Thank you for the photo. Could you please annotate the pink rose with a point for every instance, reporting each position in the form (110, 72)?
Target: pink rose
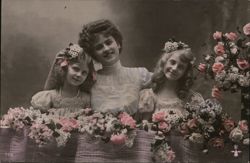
(242, 64)
(127, 120)
(219, 49)
(217, 35)
(118, 139)
(246, 29)
(202, 67)
(158, 116)
(164, 126)
(217, 142)
(68, 124)
(217, 67)
(192, 124)
(170, 155)
(64, 63)
(231, 36)
(228, 125)
(243, 126)
(216, 93)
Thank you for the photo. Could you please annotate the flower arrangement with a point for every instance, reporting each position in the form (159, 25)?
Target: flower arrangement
(206, 124)
(162, 123)
(229, 65)
(47, 127)
(107, 127)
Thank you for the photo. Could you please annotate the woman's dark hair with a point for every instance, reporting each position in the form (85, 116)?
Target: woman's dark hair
(91, 30)
(184, 83)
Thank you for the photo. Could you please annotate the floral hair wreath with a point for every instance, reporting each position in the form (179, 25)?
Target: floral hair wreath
(74, 51)
(173, 45)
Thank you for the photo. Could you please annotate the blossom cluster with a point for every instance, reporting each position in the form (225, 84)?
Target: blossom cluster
(163, 122)
(229, 65)
(47, 127)
(205, 123)
(108, 127)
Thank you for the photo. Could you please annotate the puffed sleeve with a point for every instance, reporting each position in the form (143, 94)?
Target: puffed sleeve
(145, 76)
(42, 100)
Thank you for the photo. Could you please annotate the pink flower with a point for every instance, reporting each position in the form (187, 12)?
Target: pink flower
(170, 155)
(216, 93)
(192, 124)
(217, 35)
(202, 67)
(243, 126)
(118, 139)
(164, 126)
(231, 36)
(228, 125)
(217, 67)
(158, 116)
(127, 120)
(219, 49)
(246, 29)
(68, 124)
(217, 142)
(64, 63)
(243, 64)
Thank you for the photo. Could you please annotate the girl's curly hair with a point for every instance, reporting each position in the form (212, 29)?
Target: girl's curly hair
(184, 83)
(91, 30)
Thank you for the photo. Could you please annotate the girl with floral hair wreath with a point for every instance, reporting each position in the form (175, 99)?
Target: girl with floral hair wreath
(68, 83)
(168, 90)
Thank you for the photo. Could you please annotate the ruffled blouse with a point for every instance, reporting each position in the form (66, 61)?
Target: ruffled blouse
(117, 88)
(45, 100)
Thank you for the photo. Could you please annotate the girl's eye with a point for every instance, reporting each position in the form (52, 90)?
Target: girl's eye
(172, 62)
(108, 42)
(98, 47)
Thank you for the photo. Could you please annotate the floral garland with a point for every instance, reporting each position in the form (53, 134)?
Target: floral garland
(229, 65)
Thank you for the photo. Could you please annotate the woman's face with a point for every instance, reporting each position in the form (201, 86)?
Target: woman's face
(175, 68)
(106, 50)
(76, 74)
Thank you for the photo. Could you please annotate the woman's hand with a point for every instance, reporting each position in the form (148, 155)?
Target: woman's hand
(146, 101)
(216, 93)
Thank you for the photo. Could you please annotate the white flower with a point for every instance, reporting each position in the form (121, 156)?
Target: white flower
(196, 138)
(219, 59)
(246, 141)
(63, 138)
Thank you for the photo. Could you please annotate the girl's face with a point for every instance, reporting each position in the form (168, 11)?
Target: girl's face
(76, 74)
(106, 50)
(175, 68)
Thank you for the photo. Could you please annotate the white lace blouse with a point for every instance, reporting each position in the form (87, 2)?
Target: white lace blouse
(117, 88)
(48, 99)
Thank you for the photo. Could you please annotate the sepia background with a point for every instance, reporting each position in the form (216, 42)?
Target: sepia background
(33, 31)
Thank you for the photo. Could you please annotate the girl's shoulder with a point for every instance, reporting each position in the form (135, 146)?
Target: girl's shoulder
(43, 99)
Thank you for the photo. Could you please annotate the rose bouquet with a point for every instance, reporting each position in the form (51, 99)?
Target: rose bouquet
(119, 129)
(229, 65)
(162, 123)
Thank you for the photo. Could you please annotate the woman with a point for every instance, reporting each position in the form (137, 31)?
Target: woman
(117, 87)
